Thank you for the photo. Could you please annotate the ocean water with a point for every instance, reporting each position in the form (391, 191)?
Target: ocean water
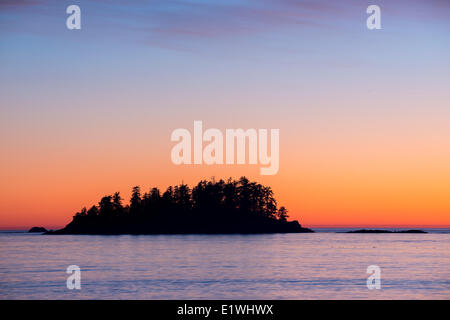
(323, 265)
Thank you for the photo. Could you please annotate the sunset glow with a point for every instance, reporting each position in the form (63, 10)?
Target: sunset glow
(364, 117)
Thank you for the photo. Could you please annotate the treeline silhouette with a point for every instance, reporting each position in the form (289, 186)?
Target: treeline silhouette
(232, 206)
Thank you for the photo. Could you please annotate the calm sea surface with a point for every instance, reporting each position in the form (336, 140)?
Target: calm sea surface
(324, 265)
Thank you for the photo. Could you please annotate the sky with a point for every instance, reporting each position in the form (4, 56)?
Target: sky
(364, 115)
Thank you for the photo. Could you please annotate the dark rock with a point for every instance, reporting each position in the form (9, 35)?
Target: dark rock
(386, 231)
(38, 230)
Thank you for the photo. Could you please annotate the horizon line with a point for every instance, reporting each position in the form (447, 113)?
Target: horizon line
(317, 226)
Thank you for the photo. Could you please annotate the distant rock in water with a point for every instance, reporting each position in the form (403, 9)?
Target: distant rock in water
(386, 231)
(38, 230)
(211, 207)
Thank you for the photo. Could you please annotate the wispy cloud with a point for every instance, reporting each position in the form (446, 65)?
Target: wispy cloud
(18, 3)
(173, 23)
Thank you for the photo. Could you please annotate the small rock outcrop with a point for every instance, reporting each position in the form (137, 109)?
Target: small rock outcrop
(37, 230)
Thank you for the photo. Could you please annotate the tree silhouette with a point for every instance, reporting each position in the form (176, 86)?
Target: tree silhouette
(135, 201)
(282, 214)
(117, 204)
(106, 206)
(93, 211)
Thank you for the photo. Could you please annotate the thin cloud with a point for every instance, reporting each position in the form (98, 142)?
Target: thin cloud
(4, 4)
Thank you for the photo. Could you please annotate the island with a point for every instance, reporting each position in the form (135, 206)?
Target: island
(210, 207)
(37, 230)
(386, 231)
